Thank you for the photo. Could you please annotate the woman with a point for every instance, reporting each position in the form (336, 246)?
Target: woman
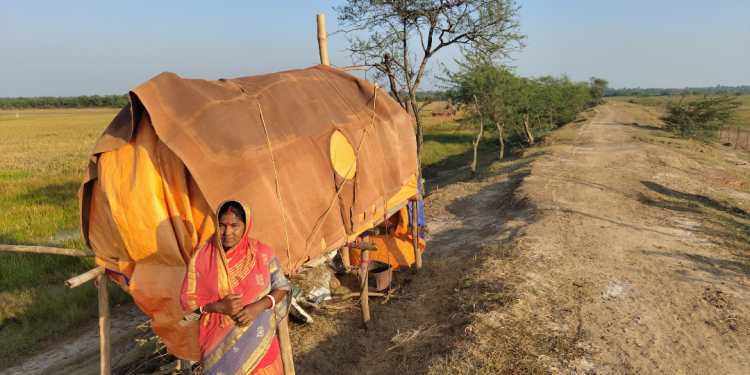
(238, 287)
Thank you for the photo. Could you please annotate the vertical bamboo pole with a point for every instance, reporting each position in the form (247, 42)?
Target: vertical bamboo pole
(344, 251)
(285, 344)
(415, 232)
(364, 299)
(323, 39)
(104, 324)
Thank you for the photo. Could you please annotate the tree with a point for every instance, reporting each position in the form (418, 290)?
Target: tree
(597, 86)
(490, 27)
(490, 87)
(700, 118)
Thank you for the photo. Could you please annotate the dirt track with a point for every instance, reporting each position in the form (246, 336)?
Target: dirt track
(610, 256)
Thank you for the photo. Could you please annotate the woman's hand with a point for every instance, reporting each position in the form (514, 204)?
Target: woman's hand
(247, 315)
(229, 305)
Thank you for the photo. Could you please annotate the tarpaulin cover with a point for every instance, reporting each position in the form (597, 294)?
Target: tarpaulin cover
(318, 142)
(395, 247)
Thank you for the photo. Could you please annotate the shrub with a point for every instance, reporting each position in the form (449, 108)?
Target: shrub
(701, 118)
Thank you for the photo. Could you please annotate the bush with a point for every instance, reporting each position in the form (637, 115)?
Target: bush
(701, 118)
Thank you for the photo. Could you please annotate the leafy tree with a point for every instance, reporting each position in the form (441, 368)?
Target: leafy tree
(489, 87)
(597, 86)
(404, 35)
(700, 118)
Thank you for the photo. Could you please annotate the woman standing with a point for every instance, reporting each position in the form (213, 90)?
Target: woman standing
(238, 287)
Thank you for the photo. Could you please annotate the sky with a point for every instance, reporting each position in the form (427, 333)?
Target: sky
(54, 48)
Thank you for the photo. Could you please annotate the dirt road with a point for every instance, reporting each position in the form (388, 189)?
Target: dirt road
(613, 252)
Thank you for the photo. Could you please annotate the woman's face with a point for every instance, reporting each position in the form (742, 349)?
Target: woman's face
(231, 229)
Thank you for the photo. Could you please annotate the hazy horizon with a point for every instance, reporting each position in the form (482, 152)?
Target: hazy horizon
(93, 48)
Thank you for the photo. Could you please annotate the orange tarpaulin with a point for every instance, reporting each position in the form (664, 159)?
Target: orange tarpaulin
(395, 248)
(317, 154)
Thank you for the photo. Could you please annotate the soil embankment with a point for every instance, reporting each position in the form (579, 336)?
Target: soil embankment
(615, 253)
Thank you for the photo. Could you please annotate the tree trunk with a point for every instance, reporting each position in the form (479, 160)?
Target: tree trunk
(420, 135)
(500, 127)
(527, 130)
(475, 142)
(551, 125)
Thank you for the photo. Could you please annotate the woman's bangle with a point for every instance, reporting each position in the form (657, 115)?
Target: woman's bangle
(273, 300)
(202, 312)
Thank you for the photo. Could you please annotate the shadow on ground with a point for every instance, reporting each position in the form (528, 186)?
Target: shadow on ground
(422, 326)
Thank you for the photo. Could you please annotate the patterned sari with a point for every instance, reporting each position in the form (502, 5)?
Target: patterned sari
(251, 270)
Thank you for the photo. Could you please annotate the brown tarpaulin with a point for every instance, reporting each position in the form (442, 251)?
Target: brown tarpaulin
(183, 146)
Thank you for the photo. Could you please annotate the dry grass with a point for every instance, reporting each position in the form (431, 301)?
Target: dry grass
(41, 166)
(743, 114)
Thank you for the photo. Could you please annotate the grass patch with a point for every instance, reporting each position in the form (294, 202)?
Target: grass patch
(743, 114)
(43, 159)
(448, 150)
(499, 340)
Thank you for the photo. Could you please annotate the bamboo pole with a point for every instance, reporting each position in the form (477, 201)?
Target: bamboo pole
(104, 324)
(720, 132)
(47, 250)
(415, 231)
(344, 251)
(323, 39)
(364, 299)
(285, 344)
(84, 277)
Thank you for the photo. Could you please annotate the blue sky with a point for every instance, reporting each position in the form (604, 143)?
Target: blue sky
(102, 47)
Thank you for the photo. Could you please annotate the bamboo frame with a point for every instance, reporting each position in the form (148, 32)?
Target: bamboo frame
(364, 299)
(79, 280)
(323, 39)
(285, 345)
(105, 351)
(415, 230)
(47, 250)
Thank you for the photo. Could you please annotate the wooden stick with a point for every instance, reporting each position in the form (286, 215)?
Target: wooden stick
(364, 245)
(48, 250)
(747, 141)
(84, 277)
(415, 233)
(323, 39)
(344, 251)
(285, 344)
(353, 68)
(104, 323)
(364, 299)
(720, 132)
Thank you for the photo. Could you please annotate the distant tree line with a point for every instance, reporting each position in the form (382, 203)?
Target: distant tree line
(42, 102)
(717, 90)
(493, 95)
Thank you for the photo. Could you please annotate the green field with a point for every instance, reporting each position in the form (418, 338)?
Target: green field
(44, 153)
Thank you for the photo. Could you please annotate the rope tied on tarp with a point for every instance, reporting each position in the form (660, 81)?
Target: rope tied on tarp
(275, 174)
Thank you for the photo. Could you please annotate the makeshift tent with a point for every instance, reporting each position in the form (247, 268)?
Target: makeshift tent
(317, 154)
